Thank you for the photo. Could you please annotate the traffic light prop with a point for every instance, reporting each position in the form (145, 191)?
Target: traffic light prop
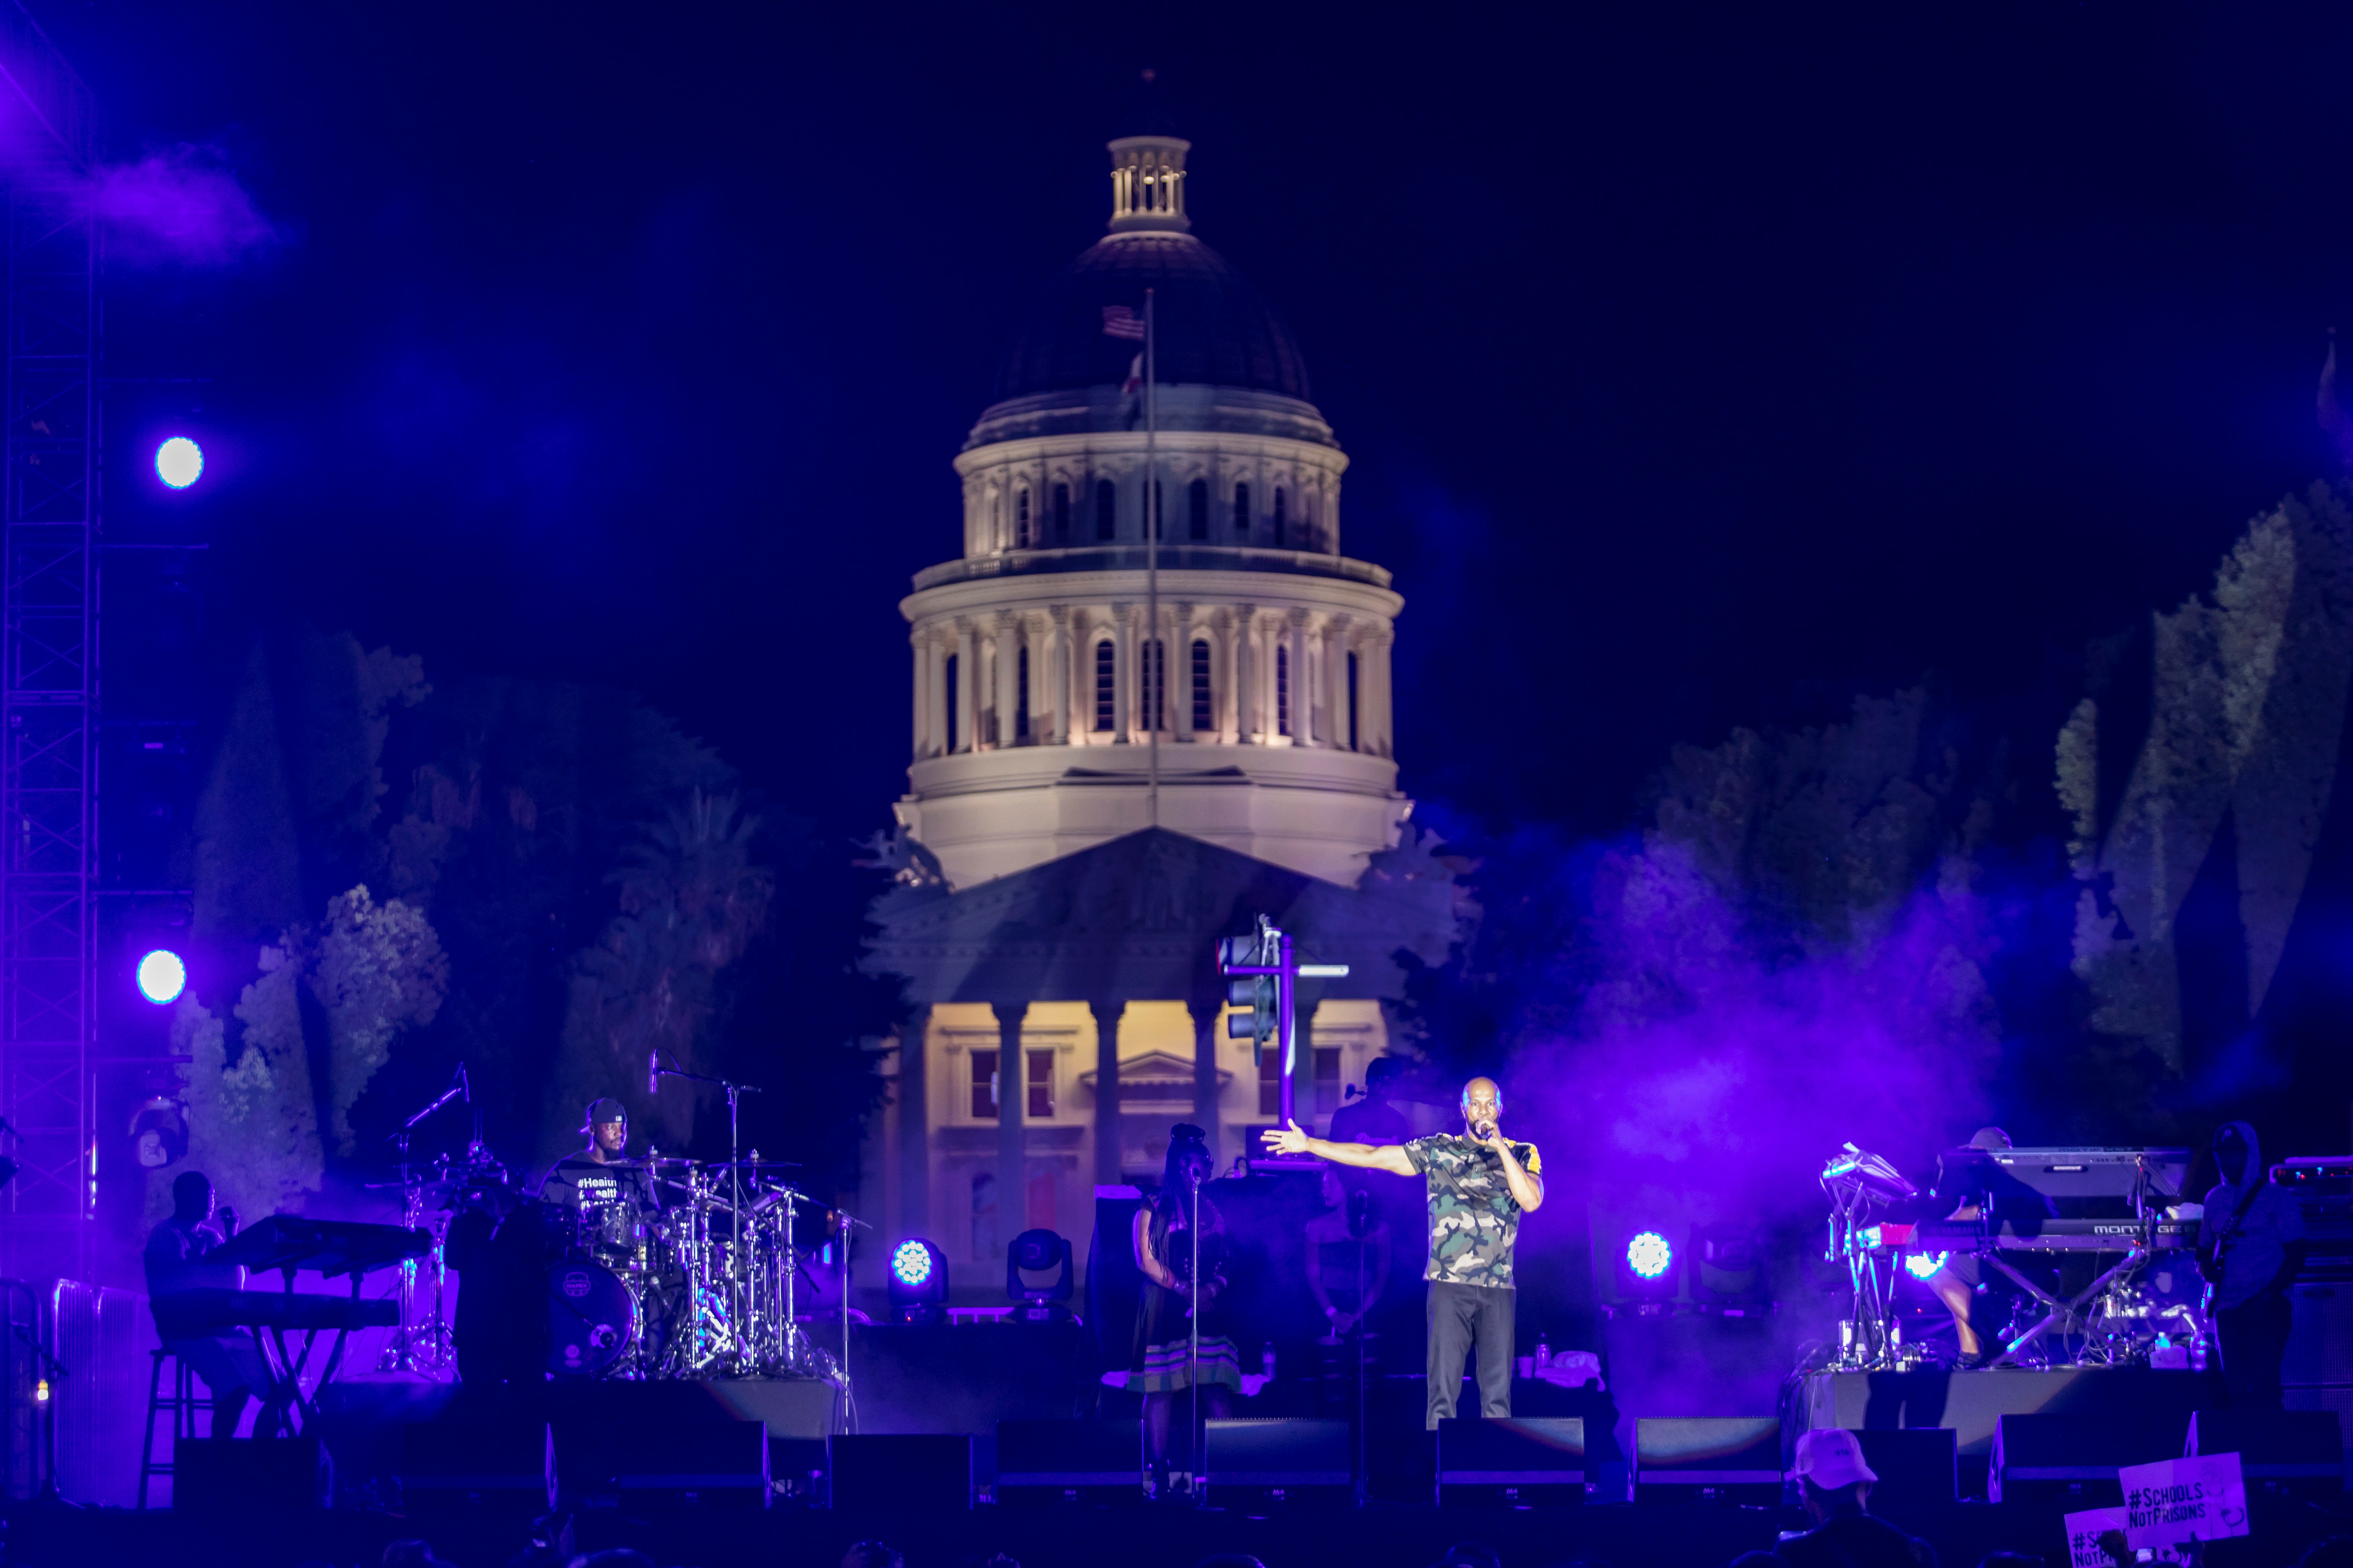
(1262, 974)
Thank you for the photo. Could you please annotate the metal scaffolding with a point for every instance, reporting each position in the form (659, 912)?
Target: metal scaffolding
(49, 655)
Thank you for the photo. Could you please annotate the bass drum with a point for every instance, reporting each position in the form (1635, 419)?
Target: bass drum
(591, 1318)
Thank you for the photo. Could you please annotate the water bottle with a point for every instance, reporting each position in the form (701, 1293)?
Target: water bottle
(1543, 1353)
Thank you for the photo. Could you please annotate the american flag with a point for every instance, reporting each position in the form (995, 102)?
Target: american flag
(1120, 322)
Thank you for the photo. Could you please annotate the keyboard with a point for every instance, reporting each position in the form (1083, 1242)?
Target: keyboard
(201, 1313)
(2045, 1235)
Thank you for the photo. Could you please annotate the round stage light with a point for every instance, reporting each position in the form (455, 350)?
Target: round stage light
(179, 462)
(912, 1264)
(162, 977)
(1922, 1266)
(1649, 1256)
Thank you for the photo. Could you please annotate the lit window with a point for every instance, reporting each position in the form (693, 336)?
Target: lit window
(1021, 518)
(1041, 1085)
(1283, 689)
(1327, 1080)
(984, 1086)
(1107, 685)
(1106, 509)
(1197, 507)
(1241, 509)
(1269, 1081)
(1281, 525)
(1204, 711)
(1061, 514)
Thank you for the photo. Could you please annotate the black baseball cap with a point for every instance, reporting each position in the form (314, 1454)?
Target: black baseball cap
(600, 1111)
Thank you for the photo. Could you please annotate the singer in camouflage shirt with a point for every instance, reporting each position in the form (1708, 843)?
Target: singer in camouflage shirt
(1473, 1218)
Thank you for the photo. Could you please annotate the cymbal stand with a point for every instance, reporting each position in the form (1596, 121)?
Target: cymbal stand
(745, 1366)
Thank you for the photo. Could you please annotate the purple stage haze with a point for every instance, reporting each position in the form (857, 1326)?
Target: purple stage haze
(181, 208)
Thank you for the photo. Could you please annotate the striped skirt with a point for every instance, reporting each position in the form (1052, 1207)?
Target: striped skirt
(1165, 1368)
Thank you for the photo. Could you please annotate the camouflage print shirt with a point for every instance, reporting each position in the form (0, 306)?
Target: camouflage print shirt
(1473, 1218)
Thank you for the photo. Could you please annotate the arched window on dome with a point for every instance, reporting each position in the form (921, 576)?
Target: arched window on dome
(1106, 509)
(1205, 710)
(1061, 514)
(1281, 525)
(951, 715)
(1241, 511)
(1281, 685)
(1197, 507)
(1021, 540)
(1022, 695)
(1106, 686)
(1352, 702)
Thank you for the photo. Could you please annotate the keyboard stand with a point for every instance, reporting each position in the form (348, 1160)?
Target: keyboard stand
(2063, 1316)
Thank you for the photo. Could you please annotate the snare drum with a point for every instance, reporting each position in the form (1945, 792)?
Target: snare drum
(591, 1318)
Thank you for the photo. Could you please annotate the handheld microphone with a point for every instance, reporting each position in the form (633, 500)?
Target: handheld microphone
(653, 1071)
(228, 1217)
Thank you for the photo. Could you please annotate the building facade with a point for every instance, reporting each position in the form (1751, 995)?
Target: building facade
(1127, 744)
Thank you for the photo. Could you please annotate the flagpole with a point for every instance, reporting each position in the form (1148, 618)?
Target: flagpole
(1156, 655)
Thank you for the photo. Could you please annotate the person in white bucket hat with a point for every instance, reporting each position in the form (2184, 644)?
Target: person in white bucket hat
(1834, 1484)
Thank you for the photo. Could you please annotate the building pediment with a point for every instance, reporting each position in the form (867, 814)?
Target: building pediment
(1155, 1077)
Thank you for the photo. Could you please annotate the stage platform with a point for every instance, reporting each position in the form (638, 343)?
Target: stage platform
(1612, 1536)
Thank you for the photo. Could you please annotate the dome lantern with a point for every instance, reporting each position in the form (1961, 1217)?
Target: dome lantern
(1147, 185)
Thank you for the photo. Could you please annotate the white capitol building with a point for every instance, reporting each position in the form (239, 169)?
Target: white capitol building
(1099, 792)
(1034, 663)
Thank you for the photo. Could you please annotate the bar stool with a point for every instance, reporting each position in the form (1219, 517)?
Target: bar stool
(182, 1405)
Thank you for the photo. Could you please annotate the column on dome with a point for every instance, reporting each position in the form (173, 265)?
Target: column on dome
(967, 686)
(1008, 673)
(920, 649)
(1180, 672)
(1335, 681)
(1245, 668)
(1052, 680)
(1382, 720)
(1301, 680)
(1221, 674)
(1122, 674)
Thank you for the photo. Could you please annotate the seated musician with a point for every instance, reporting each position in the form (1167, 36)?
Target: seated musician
(1982, 1190)
(229, 1363)
(582, 1180)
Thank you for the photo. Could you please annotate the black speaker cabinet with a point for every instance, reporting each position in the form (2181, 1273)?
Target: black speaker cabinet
(1708, 1459)
(453, 1466)
(699, 1464)
(2072, 1460)
(2298, 1453)
(248, 1477)
(1278, 1460)
(1061, 1462)
(1511, 1461)
(902, 1474)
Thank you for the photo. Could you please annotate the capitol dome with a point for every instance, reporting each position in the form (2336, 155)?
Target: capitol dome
(1214, 328)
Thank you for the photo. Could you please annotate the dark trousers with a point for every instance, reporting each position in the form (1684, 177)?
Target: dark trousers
(1460, 1318)
(2253, 1341)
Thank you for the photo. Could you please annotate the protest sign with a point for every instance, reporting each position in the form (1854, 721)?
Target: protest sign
(2198, 1499)
(2083, 1532)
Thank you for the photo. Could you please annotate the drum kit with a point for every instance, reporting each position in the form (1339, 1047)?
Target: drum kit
(671, 1268)
(709, 1285)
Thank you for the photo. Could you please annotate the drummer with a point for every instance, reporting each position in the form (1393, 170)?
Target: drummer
(600, 1174)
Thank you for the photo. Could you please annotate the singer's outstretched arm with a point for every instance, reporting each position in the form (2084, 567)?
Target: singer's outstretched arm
(1389, 1157)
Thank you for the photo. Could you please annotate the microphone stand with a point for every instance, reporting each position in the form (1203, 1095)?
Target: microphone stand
(744, 1365)
(400, 1354)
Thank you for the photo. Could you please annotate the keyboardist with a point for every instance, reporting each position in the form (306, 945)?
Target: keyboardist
(1980, 1189)
(229, 1365)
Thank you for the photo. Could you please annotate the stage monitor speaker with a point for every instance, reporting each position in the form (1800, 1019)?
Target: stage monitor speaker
(903, 1474)
(2299, 1453)
(1053, 1462)
(247, 1477)
(447, 1466)
(1918, 1468)
(1708, 1459)
(1278, 1460)
(697, 1463)
(1511, 1461)
(2074, 1459)
(2320, 1336)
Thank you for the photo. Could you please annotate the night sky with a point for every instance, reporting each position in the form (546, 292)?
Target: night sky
(1697, 369)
